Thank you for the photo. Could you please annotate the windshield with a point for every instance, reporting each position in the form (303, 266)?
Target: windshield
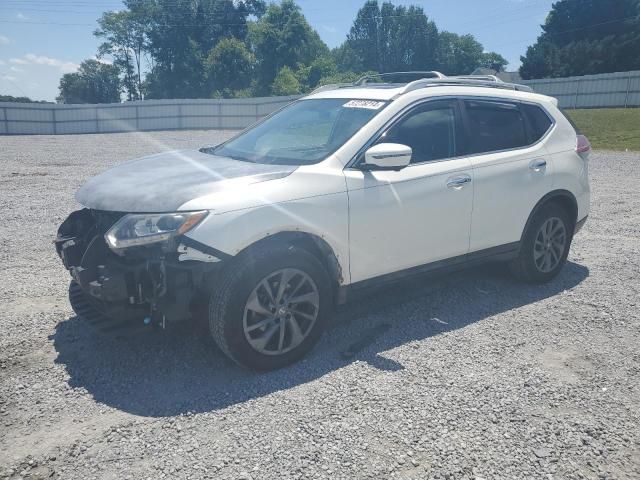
(303, 133)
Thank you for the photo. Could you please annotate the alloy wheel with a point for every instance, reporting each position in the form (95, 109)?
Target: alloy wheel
(549, 246)
(281, 311)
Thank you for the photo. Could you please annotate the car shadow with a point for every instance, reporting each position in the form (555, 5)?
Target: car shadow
(165, 373)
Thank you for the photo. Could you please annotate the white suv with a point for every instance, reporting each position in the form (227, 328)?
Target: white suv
(352, 186)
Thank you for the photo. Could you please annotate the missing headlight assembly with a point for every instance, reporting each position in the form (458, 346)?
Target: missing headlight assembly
(134, 268)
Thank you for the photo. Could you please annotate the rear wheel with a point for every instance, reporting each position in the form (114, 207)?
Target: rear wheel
(545, 246)
(270, 307)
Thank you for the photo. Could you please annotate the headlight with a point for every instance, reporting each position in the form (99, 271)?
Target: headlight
(134, 230)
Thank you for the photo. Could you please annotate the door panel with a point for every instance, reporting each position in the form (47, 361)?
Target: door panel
(403, 219)
(507, 187)
(508, 182)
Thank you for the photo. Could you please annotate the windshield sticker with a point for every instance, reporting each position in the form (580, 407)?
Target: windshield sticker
(368, 104)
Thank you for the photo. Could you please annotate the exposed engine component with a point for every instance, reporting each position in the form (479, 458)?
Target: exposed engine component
(156, 283)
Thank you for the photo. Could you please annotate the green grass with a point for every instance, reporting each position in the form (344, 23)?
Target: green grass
(609, 128)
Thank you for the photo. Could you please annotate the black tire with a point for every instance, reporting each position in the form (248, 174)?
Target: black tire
(231, 293)
(525, 267)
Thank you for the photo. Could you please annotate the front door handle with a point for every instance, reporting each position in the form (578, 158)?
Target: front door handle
(538, 165)
(458, 182)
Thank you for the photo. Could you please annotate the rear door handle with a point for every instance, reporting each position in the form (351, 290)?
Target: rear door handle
(538, 164)
(456, 183)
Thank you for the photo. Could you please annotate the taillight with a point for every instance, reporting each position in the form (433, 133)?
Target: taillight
(583, 146)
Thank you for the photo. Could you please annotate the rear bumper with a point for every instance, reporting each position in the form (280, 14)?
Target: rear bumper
(156, 284)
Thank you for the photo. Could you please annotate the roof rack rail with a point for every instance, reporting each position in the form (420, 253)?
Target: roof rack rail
(331, 86)
(456, 81)
(425, 74)
(489, 78)
(431, 79)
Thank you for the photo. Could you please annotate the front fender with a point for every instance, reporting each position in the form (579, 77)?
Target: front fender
(324, 216)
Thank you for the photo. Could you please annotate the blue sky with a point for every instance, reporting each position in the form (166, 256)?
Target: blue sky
(42, 39)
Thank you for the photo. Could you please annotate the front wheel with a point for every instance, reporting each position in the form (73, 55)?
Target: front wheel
(545, 245)
(270, 307)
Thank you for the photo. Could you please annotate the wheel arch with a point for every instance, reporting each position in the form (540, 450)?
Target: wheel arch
(310, 242)
(562, 197)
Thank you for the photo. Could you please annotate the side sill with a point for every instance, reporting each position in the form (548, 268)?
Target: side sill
(501, 253)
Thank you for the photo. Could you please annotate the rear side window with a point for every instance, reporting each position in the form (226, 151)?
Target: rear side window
(495, 126)
(538, 120)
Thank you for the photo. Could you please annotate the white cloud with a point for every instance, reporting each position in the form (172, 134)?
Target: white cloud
(4, 40)
(42, 60)
(21, 16)
(329, 28)
(69, 67)
(16, 69)
(2, 62)
(9, 78)
(32, 59)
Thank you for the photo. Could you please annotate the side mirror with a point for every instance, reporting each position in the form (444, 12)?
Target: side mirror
(387, 156)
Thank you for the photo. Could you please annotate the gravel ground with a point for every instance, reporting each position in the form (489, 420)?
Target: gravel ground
(469, 376)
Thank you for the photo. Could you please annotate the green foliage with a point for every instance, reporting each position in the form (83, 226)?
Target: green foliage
(238, 48)
(124, 35)
(285, 83)
(229, 68)
(10, 98)
(609, 128)
(586, 37)
(94, 82)
(392, 38)
(310, 76)
(458, 54)
(389, 38)
(283, 38)
(493, 61)
(181, 35)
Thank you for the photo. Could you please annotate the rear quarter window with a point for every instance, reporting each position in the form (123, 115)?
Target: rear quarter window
(539, 121)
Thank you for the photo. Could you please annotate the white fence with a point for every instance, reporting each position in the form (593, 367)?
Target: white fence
(53, 119)
(591, 91)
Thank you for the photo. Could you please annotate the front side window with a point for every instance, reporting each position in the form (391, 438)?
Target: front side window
(495, 126)
(429, 130)
(303, 133)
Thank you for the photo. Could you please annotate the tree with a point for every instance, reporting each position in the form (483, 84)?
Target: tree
(124, 35)
(230, 67)
(285, 83)
(586, 37)
(230, 48)
(94, 82)
(459, 54)
(493, 61)
(389, 38)
(10, 98)
(283, 38)
(181, 35)
(309, 76)
(362, 47)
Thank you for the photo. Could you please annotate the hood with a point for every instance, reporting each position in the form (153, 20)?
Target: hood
(166, 181)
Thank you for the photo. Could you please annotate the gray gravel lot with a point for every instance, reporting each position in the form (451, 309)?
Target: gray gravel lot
(469, 376)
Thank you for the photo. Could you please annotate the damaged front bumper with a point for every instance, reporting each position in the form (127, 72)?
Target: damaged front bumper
(154, 284)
